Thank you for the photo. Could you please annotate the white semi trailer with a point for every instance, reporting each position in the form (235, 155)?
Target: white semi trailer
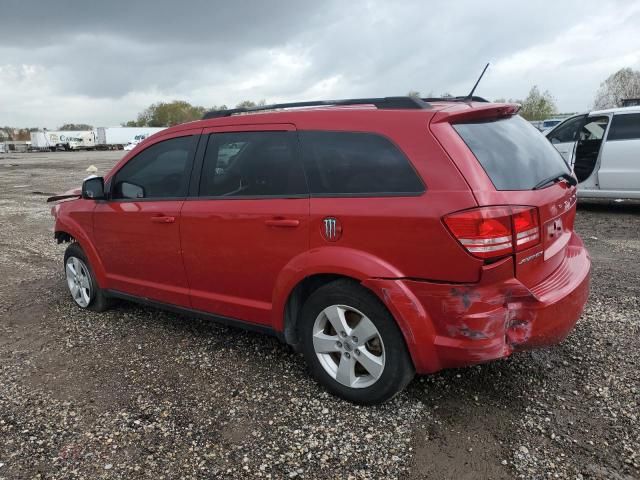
(118, 137)
(63, 140)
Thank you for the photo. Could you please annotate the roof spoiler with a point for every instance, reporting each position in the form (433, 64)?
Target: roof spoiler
(477, 113)
(384, 103)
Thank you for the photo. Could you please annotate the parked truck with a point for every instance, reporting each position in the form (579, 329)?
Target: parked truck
(63, 140)
(112, 138)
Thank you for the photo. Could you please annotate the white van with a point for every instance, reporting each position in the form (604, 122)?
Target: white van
(603, 148)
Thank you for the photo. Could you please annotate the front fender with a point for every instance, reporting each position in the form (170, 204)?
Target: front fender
(78, 229)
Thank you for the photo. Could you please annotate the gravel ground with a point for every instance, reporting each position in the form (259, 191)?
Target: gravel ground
(140, 393)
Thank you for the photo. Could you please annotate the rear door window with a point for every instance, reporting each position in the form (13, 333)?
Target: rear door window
(594, 128)
(252, 164)
(512, 152)
(625, 127)
(354, 163)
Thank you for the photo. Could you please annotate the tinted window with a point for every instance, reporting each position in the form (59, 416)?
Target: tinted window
(252, 164)
(348, 163)
(567, 131)
(625, 127)
(160, 171)
(512, 152)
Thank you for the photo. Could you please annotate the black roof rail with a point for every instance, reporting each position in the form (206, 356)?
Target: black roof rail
(401, 103)
(455, 99)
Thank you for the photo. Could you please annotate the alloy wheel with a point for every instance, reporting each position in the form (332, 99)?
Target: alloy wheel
(79, 281)
(348, 346)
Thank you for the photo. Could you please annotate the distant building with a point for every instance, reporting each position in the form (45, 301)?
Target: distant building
(630, 102)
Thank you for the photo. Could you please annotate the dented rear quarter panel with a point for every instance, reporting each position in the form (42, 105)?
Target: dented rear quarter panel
(452, 325)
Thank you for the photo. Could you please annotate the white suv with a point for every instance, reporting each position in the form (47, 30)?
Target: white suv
(603, 148)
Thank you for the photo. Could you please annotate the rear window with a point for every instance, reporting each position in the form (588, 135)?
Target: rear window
(514, 154)
(625, 127)
(354, 163)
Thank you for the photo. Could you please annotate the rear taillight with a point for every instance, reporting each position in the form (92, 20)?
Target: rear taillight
(490, 232)
(525, 227)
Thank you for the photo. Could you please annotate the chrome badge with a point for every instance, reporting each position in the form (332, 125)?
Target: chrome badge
(331, 229)
(554, 228)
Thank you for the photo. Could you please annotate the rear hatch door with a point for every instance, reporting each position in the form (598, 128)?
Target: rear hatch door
(507, 161)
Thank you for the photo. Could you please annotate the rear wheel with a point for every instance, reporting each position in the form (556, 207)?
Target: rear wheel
(81, 281)
(353, 345)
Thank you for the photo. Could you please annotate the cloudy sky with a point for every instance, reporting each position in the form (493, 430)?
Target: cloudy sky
(103, 62)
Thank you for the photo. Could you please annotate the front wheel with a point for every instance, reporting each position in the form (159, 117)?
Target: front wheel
(81, 281)
(352, 344)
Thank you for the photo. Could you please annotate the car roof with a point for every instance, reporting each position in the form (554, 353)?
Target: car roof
(634, 109)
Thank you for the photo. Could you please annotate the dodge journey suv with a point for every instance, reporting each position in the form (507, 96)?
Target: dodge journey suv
(379, 237)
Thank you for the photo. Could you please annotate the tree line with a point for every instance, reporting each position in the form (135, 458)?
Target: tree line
(167, 114)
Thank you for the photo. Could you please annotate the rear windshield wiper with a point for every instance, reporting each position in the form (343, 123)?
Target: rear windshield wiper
(562, 176)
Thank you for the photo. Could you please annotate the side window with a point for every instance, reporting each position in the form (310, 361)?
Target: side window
(350, 163)
(594, 128)
(625, 127)
(567, 131)
(252, 164)
(160, 171)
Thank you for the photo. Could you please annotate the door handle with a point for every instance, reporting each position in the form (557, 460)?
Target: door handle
(282, 222)
(163, 219)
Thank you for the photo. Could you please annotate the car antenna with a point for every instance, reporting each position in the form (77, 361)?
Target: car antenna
(469, 97)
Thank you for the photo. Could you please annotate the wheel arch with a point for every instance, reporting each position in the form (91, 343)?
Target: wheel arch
(308, 272)
(325, 261)
(69, 231)
(298, 296)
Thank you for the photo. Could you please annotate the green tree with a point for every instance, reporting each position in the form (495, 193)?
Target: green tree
(167, 114)
(251, 104)
(163, 114)
(76, 126)
(538, 105)
(625, 83)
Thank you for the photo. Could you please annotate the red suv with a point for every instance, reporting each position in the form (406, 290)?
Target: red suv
(380, 237)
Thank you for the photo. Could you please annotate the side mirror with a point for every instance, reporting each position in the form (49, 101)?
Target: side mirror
(93, 188)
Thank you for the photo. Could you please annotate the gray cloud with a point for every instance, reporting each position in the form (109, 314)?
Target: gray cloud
(102, 62)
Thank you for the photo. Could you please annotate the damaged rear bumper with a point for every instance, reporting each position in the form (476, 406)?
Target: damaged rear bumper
(449, 325)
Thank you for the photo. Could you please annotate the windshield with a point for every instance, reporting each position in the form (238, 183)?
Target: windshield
(515, 155)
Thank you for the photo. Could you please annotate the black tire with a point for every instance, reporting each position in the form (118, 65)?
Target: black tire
(99, 302)
(398, 368)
